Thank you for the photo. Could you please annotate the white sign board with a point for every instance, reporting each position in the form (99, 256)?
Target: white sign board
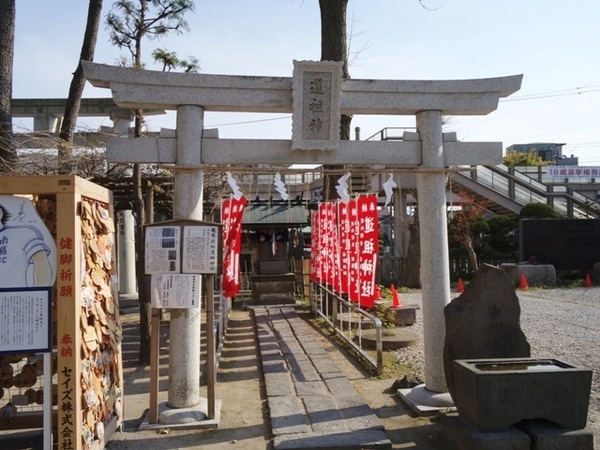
(27, 249)
(25, 320)
(176, 291)
(182, 249)
(163, 250)
(200, 249)
(573, 171)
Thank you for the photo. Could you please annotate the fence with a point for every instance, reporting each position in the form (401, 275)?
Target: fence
(391, 268)
(349, 322)
(222, 310)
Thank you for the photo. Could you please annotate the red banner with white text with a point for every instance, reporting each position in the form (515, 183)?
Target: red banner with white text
(368, 248)
(345, 247)
(353, 274)
(332, 244)
(315, 245)
(324, 243)
(232, 211)
(344, 226)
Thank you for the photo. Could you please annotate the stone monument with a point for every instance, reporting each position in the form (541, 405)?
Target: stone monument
(484, 322)
(505, 399)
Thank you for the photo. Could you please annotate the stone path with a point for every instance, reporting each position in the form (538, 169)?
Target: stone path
(311, 403)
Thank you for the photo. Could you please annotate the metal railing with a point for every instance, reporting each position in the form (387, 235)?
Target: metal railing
(349, 322)
(222, 312)
(524, 190)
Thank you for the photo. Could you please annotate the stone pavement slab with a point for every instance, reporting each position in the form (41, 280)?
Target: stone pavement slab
(311, 403)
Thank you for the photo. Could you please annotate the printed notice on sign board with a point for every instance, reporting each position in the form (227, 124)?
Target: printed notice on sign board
(200, 249)
(25, 316)
(162, 250)
(176, 291)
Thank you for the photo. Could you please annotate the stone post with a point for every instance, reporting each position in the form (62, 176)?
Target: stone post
(126, 236)
(435, 272)
(184, 357)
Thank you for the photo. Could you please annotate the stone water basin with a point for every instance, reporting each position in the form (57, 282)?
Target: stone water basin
(493, 394)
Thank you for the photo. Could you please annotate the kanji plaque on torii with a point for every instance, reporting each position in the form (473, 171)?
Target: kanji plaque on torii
(316, 94)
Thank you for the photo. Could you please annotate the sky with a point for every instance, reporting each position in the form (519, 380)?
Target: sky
(552, 43)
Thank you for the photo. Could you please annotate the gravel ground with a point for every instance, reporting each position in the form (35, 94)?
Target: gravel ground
(558, 323)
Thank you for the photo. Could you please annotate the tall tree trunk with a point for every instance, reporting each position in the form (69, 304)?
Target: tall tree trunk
(8, 150)
(334, 48)
(142, 279)
(129, 24)
(140, 208)
(471, 253)
(333, 32)
(88, 47)
(412, 271)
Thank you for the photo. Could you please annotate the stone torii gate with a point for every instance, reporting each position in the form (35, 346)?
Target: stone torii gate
(316, 96)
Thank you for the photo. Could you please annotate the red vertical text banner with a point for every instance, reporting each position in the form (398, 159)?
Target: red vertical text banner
(332, 232)
(368, 248)
(324, 242)
(315, 245)
(353, 274)
(338, 249)
(345, 246)
(232, 211)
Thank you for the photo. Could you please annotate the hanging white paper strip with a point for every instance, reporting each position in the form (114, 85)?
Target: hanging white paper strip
(342, 188)
(237, 194)
(280, 186)
(388, 187)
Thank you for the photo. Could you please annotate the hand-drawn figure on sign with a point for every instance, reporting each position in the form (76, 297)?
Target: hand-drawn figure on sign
(27, 250)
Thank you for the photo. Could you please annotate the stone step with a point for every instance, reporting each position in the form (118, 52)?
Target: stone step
(311, 403)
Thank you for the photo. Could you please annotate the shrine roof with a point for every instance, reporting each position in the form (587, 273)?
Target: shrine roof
(270, 214)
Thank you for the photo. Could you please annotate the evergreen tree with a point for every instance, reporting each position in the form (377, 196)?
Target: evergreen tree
(129, 23)
(8, 151)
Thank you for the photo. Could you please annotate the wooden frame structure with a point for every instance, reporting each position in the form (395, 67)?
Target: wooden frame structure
(88, 331)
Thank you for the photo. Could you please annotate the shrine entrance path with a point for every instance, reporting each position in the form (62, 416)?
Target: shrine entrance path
(247, 420)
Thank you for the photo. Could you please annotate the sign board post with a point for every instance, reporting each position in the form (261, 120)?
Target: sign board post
(177, 254)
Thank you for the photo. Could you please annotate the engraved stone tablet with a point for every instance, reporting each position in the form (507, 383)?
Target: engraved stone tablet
(316, 96)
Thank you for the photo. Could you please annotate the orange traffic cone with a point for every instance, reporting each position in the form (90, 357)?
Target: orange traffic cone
(523, 282)
(460, 288)
(396, 301)
(377, 292)
(588, 280)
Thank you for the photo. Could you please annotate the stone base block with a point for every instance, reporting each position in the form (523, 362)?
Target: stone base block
(392, 339)
(536, 274)
(273, 289)
(273, 267)
(405, 315)
(546, 436)
(184, 418)
(425, 402)
(352, 320)
(466, 437)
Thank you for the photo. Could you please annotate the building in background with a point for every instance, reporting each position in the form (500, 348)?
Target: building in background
(548, 151)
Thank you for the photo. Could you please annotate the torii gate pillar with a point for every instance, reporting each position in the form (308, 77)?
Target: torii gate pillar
(435, 272)
(184, 356)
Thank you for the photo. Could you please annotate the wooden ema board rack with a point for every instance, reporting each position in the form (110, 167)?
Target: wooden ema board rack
(88, 380)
